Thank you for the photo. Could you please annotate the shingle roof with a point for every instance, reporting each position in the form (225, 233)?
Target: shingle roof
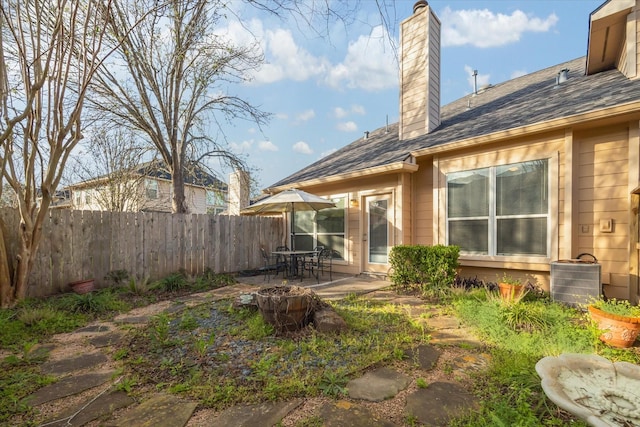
(526, 100)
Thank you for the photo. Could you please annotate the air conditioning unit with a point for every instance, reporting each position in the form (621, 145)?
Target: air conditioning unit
(576, 281)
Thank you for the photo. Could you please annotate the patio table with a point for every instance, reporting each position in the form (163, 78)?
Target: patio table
(294, 256)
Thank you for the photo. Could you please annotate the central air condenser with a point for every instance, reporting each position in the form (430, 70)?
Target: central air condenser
(576, 281)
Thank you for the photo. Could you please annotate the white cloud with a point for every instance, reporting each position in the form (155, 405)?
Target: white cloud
(305, 116)
(347, 126)
(286, 60)
(358, 109)
(340, 113)
(482, 79)
(282, 116)
(369, 64)
(483, 28)
(241, 147)
(302, 147)
(267, 146)
(518, 73)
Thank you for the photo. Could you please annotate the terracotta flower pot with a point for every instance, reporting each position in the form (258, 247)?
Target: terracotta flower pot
(618, 331)
(509, 292)
(82, 286)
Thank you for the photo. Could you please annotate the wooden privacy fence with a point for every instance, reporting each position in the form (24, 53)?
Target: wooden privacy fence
(86, 244)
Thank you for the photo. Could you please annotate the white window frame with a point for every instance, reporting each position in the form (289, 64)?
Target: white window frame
(448, 166)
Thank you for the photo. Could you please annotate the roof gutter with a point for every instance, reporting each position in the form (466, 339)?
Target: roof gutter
(631, 109)
(378, 170)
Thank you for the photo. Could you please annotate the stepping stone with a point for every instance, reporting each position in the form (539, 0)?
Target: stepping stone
(424, 356)
(471, 362)
(78, 363)
(263, 414)
(102, 407)
(342, 413)
(443, 322)
(40, 351)
(133, 320)
(378, 385)
(94, 328)
(176, 308)
(68, 387)
(440, 402)
(161, 410)
(457, 337)
(106, 340)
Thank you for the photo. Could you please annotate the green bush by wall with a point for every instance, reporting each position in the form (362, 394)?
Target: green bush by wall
(425, 266)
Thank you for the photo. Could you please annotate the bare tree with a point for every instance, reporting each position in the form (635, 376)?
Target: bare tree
(48, 55)
(168, 80)
(111, 167)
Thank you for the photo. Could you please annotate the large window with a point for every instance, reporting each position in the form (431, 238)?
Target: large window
(500, 210)
(323, 228)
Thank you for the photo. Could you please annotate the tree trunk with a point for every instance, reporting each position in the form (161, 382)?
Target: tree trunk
(7, 294)
(178, 201)
(22, 272)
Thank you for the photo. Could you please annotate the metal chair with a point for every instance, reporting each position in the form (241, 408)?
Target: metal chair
(283, 259)
(325, 263)
(310, 262)
(271, 263)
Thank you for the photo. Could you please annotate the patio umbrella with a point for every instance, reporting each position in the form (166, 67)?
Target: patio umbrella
(288, 201)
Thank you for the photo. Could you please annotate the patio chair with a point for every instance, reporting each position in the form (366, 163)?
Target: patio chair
(311, 263)
(271, 263)
(283, 259)
(325, 263)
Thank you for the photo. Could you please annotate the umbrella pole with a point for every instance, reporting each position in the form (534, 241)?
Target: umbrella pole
(293, 232)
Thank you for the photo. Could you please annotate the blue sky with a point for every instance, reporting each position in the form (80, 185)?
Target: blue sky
(326, 92)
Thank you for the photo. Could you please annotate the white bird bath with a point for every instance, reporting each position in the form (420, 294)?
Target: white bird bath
(602, 393)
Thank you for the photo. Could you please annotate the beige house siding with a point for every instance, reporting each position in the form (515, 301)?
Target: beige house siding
(423, 196)
(195, 198)
(604, 195)
(637, 47)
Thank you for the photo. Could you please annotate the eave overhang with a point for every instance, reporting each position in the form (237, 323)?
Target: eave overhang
(607, 28)
(629, 111)
(397, 167)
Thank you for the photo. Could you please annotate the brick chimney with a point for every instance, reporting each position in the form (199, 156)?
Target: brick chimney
(419, 72)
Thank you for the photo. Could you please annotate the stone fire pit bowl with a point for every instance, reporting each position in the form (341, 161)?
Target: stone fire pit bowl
(600, 392)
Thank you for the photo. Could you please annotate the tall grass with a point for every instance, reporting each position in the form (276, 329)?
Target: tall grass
(518, 335)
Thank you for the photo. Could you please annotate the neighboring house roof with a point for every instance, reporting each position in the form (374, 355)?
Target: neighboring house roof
(523, 101)
(195, 176)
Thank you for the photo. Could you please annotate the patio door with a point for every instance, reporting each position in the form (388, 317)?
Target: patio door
(377, 232)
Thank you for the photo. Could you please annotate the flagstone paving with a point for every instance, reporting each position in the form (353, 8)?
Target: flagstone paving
(433, 405)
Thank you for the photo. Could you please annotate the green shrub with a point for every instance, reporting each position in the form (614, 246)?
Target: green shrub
(95, 303)
(173, 282)
(117, 277)
(428, 266)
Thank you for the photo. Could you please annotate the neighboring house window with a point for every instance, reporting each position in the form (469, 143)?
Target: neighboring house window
(323, 228)
(152, 188)
(500, 210)
(215, 202)
(87, 197)
(78, 198)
